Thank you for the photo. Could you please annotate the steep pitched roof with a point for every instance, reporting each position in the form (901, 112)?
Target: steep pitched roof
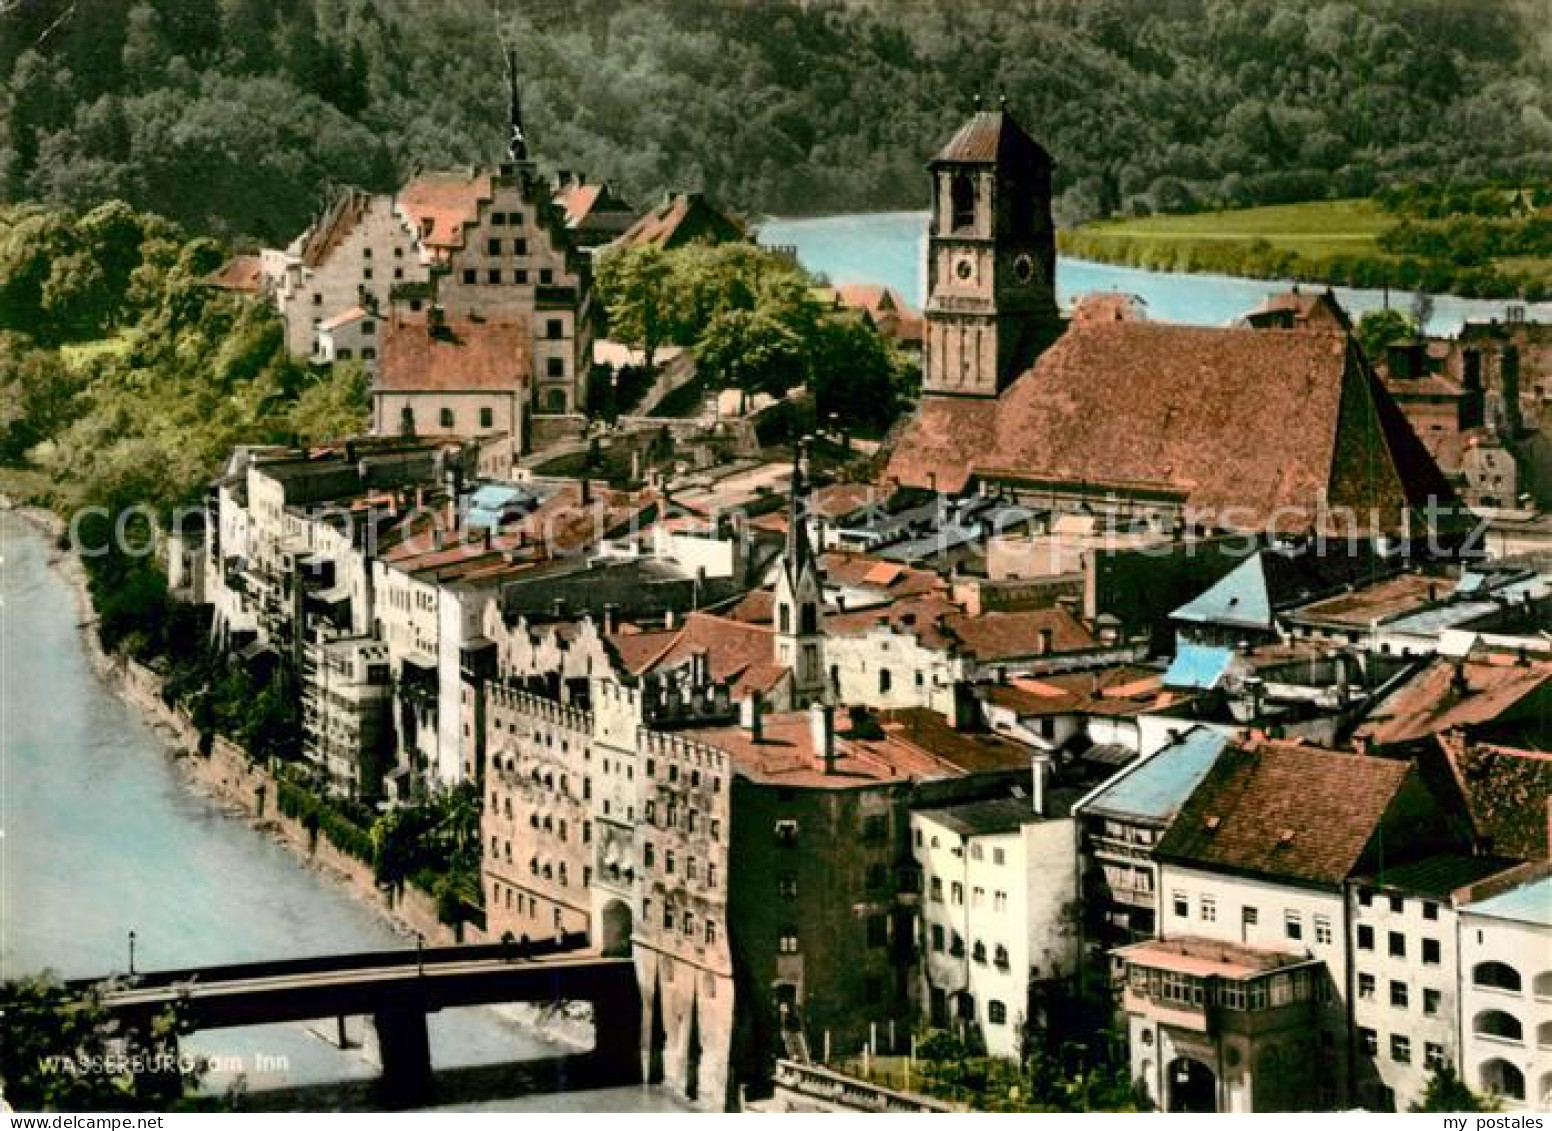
(343, 213)
(468, 356)
(1250, 429)
(1507, 791)
(886, 307)
(989, 137)
(593, 206)
(1270, 581)
(682, 219)
(736, 652)
(440, 204)
(1281, 809)
(1454, 693)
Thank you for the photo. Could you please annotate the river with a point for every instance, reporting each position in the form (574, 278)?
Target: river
(102, 837)
(889, 248)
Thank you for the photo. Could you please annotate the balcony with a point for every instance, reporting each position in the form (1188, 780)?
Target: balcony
(1202, 985)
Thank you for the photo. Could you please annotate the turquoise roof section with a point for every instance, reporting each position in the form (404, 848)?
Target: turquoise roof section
(1198, 666)
(1531, 902)
(1156, 788)
(1239, 598)
(493, 502)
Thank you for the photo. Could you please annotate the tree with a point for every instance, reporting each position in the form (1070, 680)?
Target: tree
(332, 405)
(856, 377)
(752, 351)
(1447, 1092)
(63, 1051)
(1380, 329)
(634, 285)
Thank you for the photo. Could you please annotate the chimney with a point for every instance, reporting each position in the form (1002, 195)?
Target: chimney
(611, 619)
(1459, 684)
(821, 723)
(700, 667)
(1256, 687)
(1041, 781)
(749, 716)
(587, 490)
(559, 608)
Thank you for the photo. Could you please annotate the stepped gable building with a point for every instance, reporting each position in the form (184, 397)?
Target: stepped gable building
(499, 249)
(1238, 429)
(353, 255)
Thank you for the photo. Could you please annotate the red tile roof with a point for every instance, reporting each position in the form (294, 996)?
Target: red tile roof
(886, 307)
(239, 273)
(916, 745)
(682, 219)
(440, 204)
(938, 623)
(1200, 414)
(468, 356)
(1300, 310)
(860, 570)
(1287, 810)
(737, 653)
(1508, 793)
(1468, 693)
(989, 637)
(593, 207)
(1108, 306)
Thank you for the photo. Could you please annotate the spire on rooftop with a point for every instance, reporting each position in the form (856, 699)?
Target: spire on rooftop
(517, 140)
(798, 551)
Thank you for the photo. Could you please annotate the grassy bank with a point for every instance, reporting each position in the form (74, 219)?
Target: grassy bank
(1333, 241)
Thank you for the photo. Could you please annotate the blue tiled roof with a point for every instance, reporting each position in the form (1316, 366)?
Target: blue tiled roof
(1198, 666)
(1529, 903)
(1239, 598)
(1158, 786)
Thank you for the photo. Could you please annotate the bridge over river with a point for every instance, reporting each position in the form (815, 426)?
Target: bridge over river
(397, 989)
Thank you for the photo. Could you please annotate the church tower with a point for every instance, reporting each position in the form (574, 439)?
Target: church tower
(799, 600)
(991, 258)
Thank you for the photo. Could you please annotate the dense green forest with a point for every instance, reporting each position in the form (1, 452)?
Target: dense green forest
(233, 117)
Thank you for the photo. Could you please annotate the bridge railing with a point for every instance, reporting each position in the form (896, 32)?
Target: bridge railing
(521, 950)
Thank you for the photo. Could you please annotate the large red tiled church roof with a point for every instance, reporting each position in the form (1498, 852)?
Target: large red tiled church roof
(1246, 428)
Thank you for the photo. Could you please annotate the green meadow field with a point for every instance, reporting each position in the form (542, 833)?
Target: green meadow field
(1332, 241)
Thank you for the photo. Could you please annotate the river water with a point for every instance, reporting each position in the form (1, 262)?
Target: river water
(101, 837)
(889, 248)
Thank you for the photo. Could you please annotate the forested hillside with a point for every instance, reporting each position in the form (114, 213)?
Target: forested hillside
(233, 116)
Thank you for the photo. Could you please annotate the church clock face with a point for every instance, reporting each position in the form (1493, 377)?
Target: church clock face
(1024, 269)
(964, 267)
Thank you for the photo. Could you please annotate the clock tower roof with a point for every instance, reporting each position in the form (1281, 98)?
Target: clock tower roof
(991, 137)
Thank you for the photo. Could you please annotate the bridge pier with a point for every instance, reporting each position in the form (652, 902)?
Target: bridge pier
(616, 1051)
(404, 1048)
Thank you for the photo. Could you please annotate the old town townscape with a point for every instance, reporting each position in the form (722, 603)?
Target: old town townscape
(1152, 691)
